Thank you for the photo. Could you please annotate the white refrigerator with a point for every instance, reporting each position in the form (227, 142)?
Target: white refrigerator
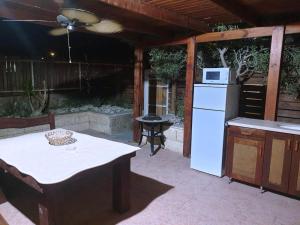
(213, 105)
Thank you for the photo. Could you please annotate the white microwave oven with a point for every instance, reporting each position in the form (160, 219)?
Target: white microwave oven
(218, 76)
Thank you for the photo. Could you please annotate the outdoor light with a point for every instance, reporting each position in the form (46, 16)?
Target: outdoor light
(70, 27)
(52, 54)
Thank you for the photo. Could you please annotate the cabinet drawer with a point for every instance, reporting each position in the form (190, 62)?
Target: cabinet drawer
(246, 131)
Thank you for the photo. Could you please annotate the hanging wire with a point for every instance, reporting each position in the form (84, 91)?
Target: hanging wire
(69, 47)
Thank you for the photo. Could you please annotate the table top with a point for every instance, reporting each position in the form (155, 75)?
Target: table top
(31, 154)
(140, 119)
(275, 126)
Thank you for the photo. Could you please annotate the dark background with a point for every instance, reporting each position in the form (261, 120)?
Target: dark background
(31, 41)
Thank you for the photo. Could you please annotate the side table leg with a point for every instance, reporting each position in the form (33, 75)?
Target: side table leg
(121, 186)
(162, 141)
(141, 134)
(152, 140)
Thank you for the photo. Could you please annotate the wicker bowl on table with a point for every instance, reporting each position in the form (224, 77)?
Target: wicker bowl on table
(60, 137)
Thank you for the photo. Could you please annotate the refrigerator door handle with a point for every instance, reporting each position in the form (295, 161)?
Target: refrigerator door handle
(216, 110)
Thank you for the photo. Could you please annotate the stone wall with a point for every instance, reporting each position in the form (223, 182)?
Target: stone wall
(174, 139)
(109, 124)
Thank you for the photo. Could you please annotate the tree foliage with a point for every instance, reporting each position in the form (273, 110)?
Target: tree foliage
(245, 57)
(290, 74)
(167, 64)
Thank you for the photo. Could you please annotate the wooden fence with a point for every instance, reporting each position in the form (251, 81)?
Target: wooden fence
(58, 75)
(288, 109)
(252, 101)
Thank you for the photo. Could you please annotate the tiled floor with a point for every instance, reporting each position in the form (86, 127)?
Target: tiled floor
(166, 191)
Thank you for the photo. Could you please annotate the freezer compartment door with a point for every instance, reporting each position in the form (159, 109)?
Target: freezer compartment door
(207, 141)
(210, 97)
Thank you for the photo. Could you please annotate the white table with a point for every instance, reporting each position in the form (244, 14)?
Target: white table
(46, 168)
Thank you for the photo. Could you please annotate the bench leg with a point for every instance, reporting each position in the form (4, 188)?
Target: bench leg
(121, 186)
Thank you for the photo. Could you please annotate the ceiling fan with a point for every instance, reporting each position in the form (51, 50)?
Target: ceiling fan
(71, 19)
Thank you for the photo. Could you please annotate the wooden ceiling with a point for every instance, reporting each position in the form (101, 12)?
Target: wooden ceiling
(146, 20)
(203, 10)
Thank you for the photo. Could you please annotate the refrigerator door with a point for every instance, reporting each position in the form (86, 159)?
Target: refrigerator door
(210, 97)
(207, 141)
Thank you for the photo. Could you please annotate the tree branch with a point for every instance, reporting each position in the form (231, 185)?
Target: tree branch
(222, 56)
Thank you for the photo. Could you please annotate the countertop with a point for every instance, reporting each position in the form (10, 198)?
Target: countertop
(264, 125)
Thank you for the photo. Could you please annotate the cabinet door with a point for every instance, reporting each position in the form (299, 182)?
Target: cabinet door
(244, 158)
(277, 159)
(294, 185)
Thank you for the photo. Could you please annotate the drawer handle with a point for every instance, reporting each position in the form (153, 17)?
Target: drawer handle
(296, 146)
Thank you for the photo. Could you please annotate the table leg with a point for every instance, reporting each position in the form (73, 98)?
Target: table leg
(141, 135)
(161, 135)
(121, 186)
(48, 207)
(152, 140)
(2, 196)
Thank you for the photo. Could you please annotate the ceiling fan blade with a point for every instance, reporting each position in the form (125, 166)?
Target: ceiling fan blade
(58, 31)
(106, 26)
(81, 15)
(44, 21)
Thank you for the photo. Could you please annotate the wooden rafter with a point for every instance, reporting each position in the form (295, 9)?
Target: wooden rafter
(158, 14)
(239, 10)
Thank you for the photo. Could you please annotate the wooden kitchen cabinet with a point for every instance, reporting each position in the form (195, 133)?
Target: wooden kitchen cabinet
(277, 161)
(294, 182)
(244, 158)
(264, 158)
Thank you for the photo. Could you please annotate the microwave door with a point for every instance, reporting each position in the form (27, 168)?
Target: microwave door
(213, 75)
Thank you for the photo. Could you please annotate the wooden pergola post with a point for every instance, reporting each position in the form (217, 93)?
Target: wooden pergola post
(274, 73)
(188, 98)
(137, 91)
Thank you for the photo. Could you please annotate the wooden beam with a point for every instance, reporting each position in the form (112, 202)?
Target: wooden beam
(245, 33)
(235, 34)
(292, 28)
(274, 73)
(239, 10)
(225, 36)
(188, 98)
(138, 91)
(159, 14)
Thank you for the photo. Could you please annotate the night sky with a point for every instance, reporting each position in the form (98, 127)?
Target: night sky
(31, 41)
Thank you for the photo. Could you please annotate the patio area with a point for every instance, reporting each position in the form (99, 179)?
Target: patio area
(166, 191)
(215, 84)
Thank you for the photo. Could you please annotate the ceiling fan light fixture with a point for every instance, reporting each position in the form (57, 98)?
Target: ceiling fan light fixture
(71, 27)
(106, 26)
